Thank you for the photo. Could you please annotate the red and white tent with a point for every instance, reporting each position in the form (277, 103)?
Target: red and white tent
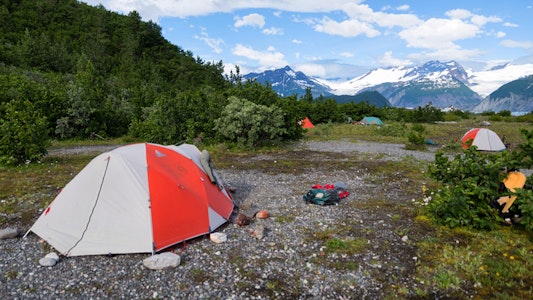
(484, 139)
(138, 198)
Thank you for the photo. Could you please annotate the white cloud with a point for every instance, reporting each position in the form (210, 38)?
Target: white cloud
(403, 7)
(315, 70)
(500, 34)
(517, 44)
(460, 14)
(296, 41)
(156, 9)
(388, 60)
(479, 20)
(346, 54)
(267, 59)
(214, 44)
(349, 28)
(364, 13)
(508, 24)
(253, 20)
(438, 33)
(273, 31)
(446, 54)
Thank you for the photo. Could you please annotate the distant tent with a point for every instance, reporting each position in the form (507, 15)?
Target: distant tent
(371, 121)
(306, 123)
(484, 139)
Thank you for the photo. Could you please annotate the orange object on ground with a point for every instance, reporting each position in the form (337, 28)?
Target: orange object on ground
(513, 181)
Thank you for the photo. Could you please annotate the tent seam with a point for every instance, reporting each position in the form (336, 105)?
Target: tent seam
(92, 210)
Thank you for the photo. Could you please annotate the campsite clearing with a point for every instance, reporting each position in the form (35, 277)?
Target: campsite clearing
(373, 245)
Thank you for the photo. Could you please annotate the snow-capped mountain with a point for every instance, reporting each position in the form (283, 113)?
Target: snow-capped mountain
(442, 84)
(486, 82)
(515, 96)
(287, 82)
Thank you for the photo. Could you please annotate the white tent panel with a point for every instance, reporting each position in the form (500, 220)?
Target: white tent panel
(488, 140)
(110, 193)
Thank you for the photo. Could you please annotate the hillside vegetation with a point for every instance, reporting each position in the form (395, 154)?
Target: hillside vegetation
(72, 71)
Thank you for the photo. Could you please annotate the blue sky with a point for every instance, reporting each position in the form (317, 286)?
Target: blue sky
(338, 38)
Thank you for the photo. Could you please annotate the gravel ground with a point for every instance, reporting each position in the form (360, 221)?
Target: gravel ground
(289, 262)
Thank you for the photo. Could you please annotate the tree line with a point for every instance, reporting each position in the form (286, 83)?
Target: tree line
(69, 70)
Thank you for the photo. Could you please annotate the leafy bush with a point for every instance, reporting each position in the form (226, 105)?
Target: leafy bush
(415, 138)
(23, 133)
(471, 180)
(248, 124)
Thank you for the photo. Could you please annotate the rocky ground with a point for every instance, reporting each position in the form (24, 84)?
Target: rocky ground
(363, 248)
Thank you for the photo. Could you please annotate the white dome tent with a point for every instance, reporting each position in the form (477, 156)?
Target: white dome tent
(484, 139)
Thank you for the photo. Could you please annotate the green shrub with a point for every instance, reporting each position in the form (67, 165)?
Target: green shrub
(471, 180)
(415, 138)
(248, 124)
(23, 133)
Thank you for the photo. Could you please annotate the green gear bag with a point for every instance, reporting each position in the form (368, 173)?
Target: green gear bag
(322, 197)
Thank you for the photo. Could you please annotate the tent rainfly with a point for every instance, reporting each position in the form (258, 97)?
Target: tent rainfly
(484, 139)
(138, 198)
(306, 123)
(371, 121)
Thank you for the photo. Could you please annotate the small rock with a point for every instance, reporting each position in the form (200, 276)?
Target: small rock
(49, 260)
(243, 220)
(405, 238)
(218, 237)
(162, 261)
(262, 214)
(9, 233)
(258, 231)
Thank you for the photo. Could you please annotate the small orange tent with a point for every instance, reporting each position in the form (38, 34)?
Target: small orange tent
(306, 123)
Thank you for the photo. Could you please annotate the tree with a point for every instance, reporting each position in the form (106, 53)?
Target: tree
(23, 133)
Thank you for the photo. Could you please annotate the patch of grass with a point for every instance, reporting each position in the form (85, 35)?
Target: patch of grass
(286, 218)
(199, 275)
(346, 246)
(26, 188)
(497, 261)
(11, 274)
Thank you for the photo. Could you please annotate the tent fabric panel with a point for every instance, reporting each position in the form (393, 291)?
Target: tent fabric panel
(121, 221)
(97, 212)
(178, 198)
(371, 121)
(215, 220)
(469, 135)
(224, 206)
(62, 222)
(306, 123)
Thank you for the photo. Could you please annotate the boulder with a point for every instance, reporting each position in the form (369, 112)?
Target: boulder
(49, 260)
(162, 261)
(8, 233)
(218, 237)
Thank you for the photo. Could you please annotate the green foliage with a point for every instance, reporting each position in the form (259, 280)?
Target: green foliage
(427, 114)
(415, 138)
(23, 133)
(395, 129)
(250, 125)
(524, 203)
(471, 180)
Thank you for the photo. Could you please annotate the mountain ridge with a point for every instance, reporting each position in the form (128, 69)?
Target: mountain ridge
(442, 84)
